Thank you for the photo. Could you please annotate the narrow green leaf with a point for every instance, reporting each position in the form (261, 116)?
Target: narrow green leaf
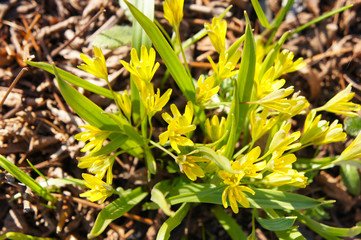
(37, 171)
(281, 15)
(26, 179)
(85, 108)
(277, 224)
(159, 199)
(139, 35)
(113, 37)
(325, 231)
(322, 17)
(243, 90)
(221, 161)
(116, 209)
(166, 52)
(351, 179)
(172, 222)
(260, 14)
(229, 224)
(70, 78)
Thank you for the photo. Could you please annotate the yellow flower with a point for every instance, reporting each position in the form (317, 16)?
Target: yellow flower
(215, 129)
(99, 190)
(341, 104)
(353, 151)
(291, 177)
(282, 141)
(154, 103)
(301, 104)
(188, 165)
(282, 163)
(95, 66)
(178, 125)
(260, 123)
(235, 194)
(205, 89)
(142, 69)
(125, 104)
(217, 33)
(173, 12)
(277, 100)
(318, 132)
(98, 165)
(224, 68)
(284, 63)
(248, 164)
(95, 136)
(282, 172)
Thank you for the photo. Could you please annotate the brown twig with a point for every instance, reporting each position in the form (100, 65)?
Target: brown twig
(12, 86)
(58, 49)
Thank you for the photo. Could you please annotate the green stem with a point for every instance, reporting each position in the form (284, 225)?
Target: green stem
(182, 51)
(163, 149)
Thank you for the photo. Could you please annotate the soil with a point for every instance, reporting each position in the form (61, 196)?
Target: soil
(36, 124)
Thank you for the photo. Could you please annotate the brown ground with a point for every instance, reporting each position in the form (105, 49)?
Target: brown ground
(36, 124)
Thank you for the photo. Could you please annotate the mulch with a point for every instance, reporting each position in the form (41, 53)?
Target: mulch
(37, 125)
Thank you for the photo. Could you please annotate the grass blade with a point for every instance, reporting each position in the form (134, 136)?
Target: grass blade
(116, 209)
(26, 179)
(322, 17)
(260, 14)
(70, 78)
(172, 222)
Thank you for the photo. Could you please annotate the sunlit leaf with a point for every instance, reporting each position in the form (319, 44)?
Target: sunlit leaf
(113, 37)
(116, 209)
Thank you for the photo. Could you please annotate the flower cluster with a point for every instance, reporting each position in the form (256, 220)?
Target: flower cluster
(266, 161)
(178, 126)
(143, 70)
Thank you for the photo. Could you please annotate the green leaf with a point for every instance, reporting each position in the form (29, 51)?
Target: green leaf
(243, 90)
(277, 224)
(260, 14)
(116, 209)
(113, 37)
(352, 125)
(221, 161)
(290, 234)
(159, 199)
(325, 231)
(70, 78)
(229, 224)
(172, 222)
(351, 179)
(322, 17)
(26, 179)
(180, 190)
(85, 108)
(170, 59)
